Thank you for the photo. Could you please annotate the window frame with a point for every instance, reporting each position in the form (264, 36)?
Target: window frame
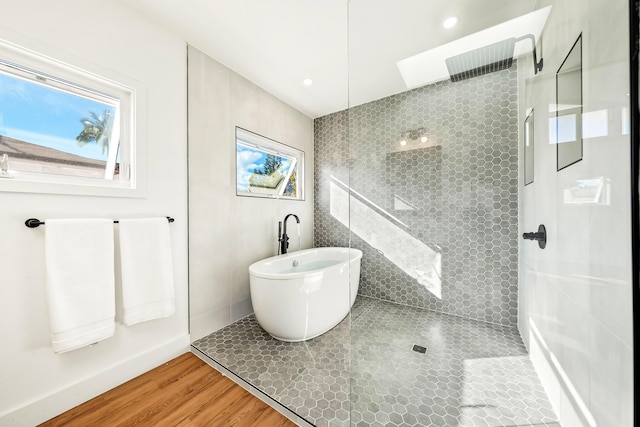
(78, 79)
(252, 140)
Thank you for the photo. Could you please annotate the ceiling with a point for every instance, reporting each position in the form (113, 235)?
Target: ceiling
(349, 48)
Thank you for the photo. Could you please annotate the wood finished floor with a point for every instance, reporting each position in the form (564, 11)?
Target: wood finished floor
(184, 392)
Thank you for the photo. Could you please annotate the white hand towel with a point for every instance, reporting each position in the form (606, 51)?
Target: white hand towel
(147, 269)
(80, 281)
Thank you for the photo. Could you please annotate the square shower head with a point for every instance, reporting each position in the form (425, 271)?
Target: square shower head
(494, 57)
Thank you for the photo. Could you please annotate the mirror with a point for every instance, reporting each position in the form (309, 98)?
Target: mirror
(267, 168)
(569, 108)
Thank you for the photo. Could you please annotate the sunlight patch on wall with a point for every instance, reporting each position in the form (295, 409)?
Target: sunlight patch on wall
(386, 234)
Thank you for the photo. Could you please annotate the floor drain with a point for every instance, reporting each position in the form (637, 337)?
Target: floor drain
(419, 349)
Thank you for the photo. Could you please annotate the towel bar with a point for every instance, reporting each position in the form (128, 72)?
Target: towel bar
(34, 222)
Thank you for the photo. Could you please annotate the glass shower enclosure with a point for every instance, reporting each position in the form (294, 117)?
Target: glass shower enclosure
(513, 123)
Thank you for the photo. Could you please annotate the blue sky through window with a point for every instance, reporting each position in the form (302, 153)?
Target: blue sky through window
(45, 116)
(248, 160)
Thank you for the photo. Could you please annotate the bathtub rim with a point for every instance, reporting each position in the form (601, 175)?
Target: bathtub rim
(354, 255)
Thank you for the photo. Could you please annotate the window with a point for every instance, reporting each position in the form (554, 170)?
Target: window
(62, 125)
(266, 168)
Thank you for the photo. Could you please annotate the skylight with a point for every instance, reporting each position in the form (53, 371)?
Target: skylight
(429, 66)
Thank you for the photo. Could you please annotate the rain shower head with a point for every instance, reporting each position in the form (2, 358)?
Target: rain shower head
(494, 57)
(487, 59)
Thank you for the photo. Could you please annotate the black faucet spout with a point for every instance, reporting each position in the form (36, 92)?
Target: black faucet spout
(287, 217)
(283, 238)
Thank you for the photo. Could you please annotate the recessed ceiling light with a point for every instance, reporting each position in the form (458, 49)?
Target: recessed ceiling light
(450, 22)
(307, 82)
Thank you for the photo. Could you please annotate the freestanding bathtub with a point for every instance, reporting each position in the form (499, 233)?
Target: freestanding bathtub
(300, 295)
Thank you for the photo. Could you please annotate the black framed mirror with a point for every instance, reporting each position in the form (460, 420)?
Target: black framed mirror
(569, 108)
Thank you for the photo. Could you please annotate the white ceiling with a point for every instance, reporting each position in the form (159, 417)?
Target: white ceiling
(348, 48)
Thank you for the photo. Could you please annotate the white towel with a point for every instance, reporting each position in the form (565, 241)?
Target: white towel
(147, 269)
(80, 281)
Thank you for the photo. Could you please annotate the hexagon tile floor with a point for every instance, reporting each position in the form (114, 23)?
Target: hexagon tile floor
(467, 373)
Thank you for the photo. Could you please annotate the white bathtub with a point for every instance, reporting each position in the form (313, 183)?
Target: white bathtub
(300, 295)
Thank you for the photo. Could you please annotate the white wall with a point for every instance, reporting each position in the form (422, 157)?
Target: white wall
(228, 233)
(35, 383)
(575, 311)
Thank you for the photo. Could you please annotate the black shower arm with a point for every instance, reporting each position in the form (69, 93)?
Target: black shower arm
(537, 66)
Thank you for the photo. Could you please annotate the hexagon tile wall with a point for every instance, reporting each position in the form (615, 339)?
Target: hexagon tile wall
(437, 221)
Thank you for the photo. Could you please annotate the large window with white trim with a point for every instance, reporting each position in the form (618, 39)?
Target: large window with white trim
(60, 124)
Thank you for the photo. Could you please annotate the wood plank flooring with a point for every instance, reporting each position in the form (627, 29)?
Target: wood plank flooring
(184, 392)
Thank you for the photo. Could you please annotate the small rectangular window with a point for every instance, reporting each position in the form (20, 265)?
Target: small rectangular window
(266, 168)
(59, 124)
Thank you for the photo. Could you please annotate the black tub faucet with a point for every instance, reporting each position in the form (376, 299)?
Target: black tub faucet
(282, 233)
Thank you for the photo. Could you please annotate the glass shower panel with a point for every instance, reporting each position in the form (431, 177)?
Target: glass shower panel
(458, 321)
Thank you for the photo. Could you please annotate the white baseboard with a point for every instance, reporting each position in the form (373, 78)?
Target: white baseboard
(47, 407)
